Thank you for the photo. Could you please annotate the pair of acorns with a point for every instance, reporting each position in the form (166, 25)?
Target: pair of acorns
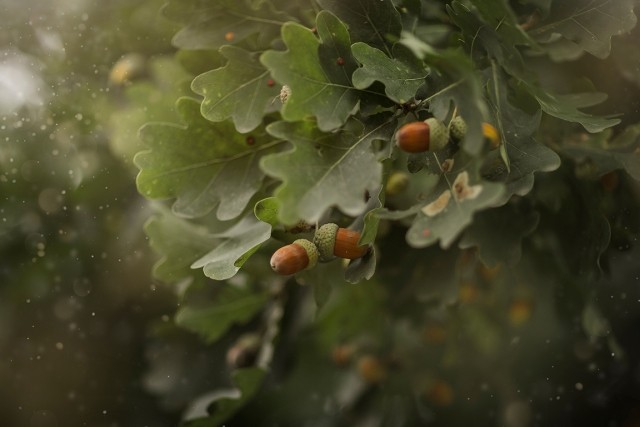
(329, 242)
(433, 135)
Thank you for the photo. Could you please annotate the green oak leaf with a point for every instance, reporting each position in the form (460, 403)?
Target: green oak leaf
(605, 154)
(453, 80)
(627, 59)
(325, 169)
(401, 76)
(318, 87)
(201, 164)
(499, 16)
(210, 25)
(266, 210)
(224, 403)
(450, 207)
(566, 107)
(369, 222)
(374, 22)
(211, 319)
(587, 25)
(150, 99)
(241, 90)
(179, 243)
(362, 268)
(520, 155)
(495, 26)
(542, 6)
(236, 246)
(498, 233)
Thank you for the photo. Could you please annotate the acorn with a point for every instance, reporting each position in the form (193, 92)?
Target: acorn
(418, 137)
(371, 369)
(457, 128)
(293, 258)
(491, 133)
(342, 354)
(244, 351)
(333, 241)
(398, 182)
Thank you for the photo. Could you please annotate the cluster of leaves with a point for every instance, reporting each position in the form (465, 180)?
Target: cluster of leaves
(296, 123)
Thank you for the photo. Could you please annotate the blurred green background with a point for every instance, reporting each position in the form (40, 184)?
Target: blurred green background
(76, 298)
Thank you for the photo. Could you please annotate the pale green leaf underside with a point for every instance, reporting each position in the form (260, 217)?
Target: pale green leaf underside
(237, 244)
(227, 402)
(240, 90)
(179, 243)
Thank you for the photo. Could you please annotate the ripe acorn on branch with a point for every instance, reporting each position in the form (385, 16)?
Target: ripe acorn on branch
(418, 137)
(293, 258)
(333, 241)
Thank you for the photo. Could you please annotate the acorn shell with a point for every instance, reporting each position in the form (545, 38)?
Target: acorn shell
(293, 258)
(347, 244)
(289, 259)
(413, 137)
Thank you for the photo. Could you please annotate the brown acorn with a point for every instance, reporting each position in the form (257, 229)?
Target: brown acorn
(418, 137)
(413, 137)
(293, 258)
(371, 369)
(333, 241)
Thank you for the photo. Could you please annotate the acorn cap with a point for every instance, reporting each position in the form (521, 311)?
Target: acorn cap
(438, 134)
(458, 128)
(311, 249)
(325, 241)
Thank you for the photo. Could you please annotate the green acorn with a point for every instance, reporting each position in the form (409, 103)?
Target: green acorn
(398, 182)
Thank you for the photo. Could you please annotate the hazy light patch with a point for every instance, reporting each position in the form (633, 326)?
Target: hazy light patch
(20, 82)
